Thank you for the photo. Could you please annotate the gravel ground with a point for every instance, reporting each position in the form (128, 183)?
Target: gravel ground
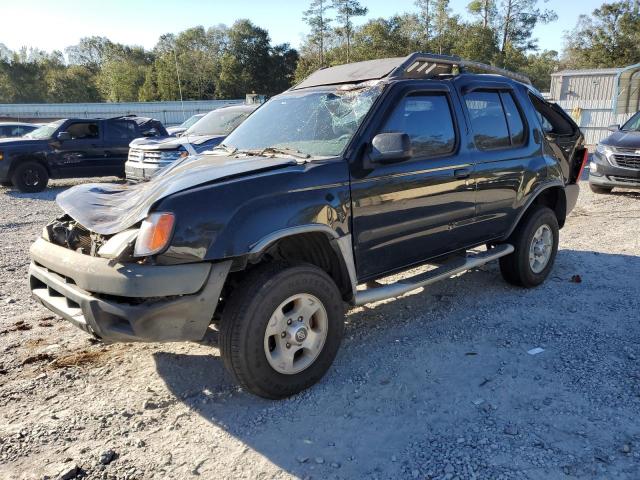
(437, 384)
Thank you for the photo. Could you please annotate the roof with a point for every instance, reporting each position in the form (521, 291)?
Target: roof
(587, 72)
(416, 66)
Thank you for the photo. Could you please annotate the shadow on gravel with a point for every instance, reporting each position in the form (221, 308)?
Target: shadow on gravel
(440, 383)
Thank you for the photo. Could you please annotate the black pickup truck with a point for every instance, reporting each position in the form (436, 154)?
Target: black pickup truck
(359, 172)
(72, 148)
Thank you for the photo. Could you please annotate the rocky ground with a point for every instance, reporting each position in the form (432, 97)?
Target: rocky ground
(438, 384)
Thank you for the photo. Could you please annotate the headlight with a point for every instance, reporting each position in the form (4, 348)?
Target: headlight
(604, 150)
(172, 155)
(155, 234)
(1, 156)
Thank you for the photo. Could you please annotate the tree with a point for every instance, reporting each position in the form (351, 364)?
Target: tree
(316, 17)
(486, 10)
(346, 11)
(90, 52)
(441, 22)
(608, 38)
(425, 8)
(517, 19)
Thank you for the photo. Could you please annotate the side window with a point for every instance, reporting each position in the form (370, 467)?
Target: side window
(121, 130)
(4, 132)
(428, 121)
(514, 119)
(488, 120)
(84, 130)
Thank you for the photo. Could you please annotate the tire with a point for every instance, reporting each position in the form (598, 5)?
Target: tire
(30, 177)
(517, 268)
(600, 190)
(251, 310)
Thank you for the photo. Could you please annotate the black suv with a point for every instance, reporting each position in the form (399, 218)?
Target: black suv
(358, 172)
(72, 148)
(616, 161)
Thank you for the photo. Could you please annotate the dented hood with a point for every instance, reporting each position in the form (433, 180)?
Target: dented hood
(109, 208)
(171, 143)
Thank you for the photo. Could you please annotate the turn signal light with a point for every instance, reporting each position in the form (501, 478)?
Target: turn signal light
(155, 234)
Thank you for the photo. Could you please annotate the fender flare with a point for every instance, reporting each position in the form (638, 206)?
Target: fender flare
(342, 246)
(532, 198)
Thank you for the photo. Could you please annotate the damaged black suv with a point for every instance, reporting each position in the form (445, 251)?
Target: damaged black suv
(359, 172)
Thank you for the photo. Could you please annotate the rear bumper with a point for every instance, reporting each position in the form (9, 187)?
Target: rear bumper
(167, 314)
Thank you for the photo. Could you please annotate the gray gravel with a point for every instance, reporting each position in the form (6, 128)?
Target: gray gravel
(437, 384)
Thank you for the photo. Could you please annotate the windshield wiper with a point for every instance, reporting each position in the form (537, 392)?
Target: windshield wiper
(286, 151)
(227, 148)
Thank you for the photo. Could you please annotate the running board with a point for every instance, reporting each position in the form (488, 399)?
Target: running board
(441, 273)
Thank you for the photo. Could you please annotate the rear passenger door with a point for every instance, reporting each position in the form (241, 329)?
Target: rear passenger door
(507, 159)
(406, 212)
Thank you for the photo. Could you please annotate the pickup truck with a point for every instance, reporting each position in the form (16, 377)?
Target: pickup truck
(359, 172)
(72, 148)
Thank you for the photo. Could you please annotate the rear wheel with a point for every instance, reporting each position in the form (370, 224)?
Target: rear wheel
(536, 244)
(598, 189)
(281, 329)
(30, 177)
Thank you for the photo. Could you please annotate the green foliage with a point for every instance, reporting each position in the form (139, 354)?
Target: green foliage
(610, 37)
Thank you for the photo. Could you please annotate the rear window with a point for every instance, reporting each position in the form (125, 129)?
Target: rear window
(488, 121)
(121, 130)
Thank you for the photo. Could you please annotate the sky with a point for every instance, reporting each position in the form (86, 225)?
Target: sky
(53, 25)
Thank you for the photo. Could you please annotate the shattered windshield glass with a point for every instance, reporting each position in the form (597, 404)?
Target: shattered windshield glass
(317, 123)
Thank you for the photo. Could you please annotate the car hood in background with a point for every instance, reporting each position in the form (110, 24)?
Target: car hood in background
(171, 143)
(623, 139)
(109, 208)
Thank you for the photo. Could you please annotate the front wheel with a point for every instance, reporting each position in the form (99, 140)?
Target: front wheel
(30, 177)
(281, 329)
(536, 244)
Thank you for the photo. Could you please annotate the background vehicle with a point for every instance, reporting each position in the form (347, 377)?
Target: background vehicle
(616, 161)
(15, 129)
(148, 156)
(72, 148)
(359, 172)
(176, 131)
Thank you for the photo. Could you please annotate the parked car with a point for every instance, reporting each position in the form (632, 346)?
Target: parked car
(16, 129)
(148, 156)
(176, 131)
(616, 161)
(72, 148)
(359, 172)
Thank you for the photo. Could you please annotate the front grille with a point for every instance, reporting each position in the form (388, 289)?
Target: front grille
(144, 156)
(627, 160)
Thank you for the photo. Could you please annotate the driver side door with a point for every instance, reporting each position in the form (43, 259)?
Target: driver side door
(422, 207)
(83, 155)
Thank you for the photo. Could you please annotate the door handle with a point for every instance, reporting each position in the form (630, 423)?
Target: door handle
(462, 173)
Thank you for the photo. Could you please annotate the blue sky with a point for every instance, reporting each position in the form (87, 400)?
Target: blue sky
(56, 24)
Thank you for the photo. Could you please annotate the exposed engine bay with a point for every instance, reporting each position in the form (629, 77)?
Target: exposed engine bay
(68, 233)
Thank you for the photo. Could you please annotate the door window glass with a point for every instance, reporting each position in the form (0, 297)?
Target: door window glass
(488, 120)
(514, 119)
(83, 130)
(428, 121)
(121, 130)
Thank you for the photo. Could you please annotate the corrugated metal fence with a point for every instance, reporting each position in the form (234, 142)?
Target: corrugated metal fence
(169, 113)
(593, 117)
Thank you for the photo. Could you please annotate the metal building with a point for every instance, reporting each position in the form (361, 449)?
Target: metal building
(169, 113)
(597, 98)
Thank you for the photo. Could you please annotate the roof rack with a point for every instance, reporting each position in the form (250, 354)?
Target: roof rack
(416, 65)
(421, 65)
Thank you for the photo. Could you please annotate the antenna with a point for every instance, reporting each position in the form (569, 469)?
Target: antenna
(175, 57)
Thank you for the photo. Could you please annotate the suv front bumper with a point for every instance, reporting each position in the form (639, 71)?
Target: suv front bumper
(125, 303)
(610, 176)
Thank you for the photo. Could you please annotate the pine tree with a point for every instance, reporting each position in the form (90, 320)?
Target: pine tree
(346, 10)
(316, 17)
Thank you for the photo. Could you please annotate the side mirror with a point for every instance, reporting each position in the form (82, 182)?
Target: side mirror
(63, 136)
(614, 128)
(390, 147)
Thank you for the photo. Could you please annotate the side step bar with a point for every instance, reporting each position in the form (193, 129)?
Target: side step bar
(441, 273)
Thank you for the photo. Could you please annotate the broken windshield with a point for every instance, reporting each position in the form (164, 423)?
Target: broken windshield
(318, 123)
